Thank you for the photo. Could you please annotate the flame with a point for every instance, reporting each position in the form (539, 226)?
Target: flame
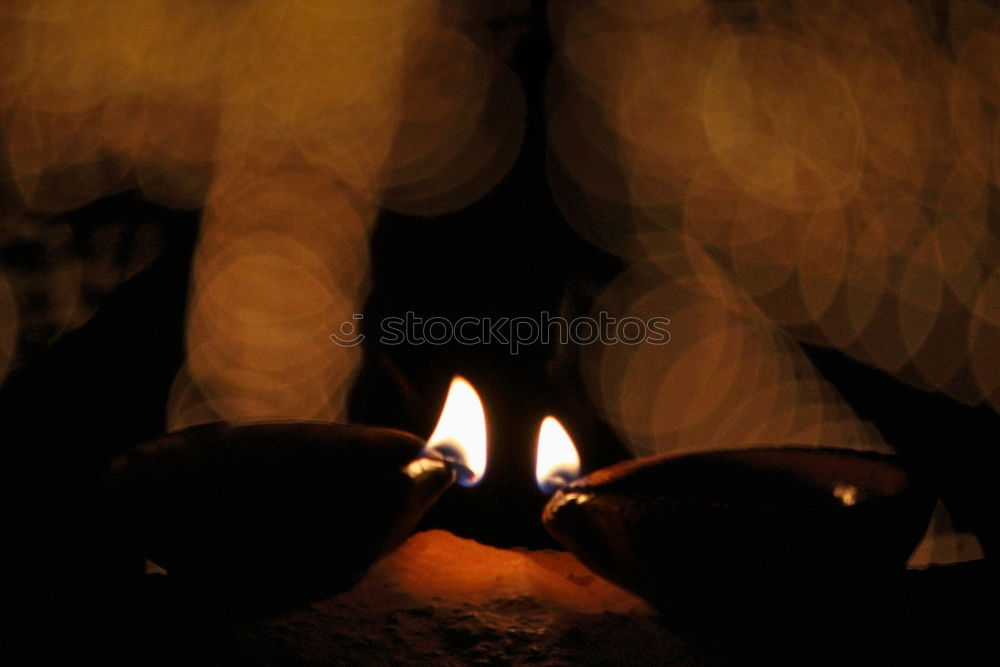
(460, 434)
(557, 462)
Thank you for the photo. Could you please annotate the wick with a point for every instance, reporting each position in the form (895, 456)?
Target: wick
(452, 456)
(556, 481)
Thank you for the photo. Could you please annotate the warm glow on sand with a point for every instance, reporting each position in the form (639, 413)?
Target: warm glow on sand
(436, 563)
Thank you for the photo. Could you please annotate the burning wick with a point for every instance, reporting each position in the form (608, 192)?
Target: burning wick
(557, 462)
(459, 438)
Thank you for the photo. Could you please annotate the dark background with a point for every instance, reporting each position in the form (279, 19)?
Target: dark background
(103, 387)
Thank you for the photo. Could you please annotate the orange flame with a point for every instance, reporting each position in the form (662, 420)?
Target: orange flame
(460, 434)
(557, 462)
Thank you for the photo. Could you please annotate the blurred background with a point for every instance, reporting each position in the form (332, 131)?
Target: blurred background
(194, 196)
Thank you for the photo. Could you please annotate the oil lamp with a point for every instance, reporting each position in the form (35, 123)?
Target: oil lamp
(697, 531)
(289, 511)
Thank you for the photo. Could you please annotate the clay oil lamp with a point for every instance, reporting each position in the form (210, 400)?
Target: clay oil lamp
(289, 511)
(699, 532)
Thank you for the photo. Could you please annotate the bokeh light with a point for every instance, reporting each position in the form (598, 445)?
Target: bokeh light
(289, 124)
(836, 162)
